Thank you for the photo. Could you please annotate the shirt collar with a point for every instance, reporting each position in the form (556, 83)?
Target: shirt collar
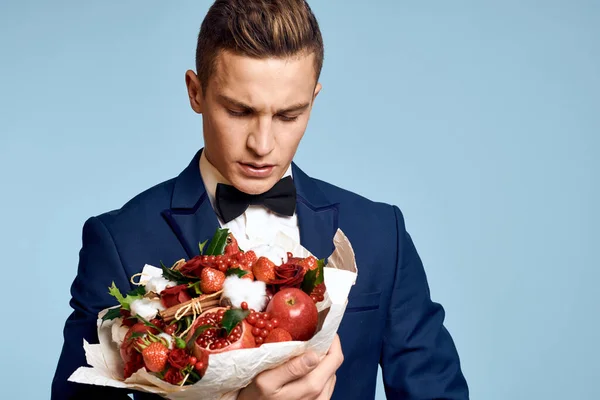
(211, 177)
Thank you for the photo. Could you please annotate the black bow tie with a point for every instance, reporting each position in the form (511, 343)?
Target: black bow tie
(231, 203)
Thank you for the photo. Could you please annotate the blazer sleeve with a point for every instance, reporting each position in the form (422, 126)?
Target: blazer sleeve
(99, 265)
(419, 360)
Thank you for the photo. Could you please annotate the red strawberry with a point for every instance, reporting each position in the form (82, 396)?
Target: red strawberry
(264, 270)
(155, 356)
(249, 257)
(249, 274)
(211, 280)
(128, 347)
(278, 335)
(232, 245)
(309, 263)
(246, 260)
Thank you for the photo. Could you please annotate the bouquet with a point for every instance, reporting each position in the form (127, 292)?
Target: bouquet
(210, 324)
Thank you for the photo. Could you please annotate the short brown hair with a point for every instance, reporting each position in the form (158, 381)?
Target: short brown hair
(258, 29)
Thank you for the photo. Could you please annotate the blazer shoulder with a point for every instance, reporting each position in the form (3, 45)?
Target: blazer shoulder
(148, 203)
(348, 199)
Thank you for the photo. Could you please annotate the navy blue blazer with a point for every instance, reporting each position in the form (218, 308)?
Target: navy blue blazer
(390, 319)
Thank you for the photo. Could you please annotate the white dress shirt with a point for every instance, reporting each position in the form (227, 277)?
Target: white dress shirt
(257, 225)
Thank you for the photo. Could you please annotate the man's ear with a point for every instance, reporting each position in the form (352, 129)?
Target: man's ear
(194, 89)
(318, 88)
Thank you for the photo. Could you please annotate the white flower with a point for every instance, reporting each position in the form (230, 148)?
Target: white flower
(146, 308)
(238, 290)
(274, 253)
(118, 331)
(168, 338)
(159, 283)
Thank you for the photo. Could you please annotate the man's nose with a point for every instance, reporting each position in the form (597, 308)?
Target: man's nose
(261, 139)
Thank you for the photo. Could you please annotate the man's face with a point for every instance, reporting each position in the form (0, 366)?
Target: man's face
(255, 112)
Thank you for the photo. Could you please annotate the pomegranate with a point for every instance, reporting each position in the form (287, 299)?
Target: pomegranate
(215, 340)
(296, 313)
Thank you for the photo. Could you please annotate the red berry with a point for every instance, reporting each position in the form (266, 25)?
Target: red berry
(261, 323)
(193, 360)
(259, 340)
(199, 365)
(244, 305)
(274, 322)
(256, 331)
(171, 329)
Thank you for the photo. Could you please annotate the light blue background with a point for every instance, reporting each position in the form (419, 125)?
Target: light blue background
(481, 120)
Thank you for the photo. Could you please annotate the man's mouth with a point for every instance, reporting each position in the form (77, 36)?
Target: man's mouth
(256, 170)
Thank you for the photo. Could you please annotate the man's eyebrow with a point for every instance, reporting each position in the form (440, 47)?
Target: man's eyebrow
(236, 103)
(246, 107)
(294, 108)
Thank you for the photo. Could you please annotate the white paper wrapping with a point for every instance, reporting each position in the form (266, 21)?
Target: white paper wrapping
(230, 371)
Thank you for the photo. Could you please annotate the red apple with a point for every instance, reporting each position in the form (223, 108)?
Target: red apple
(296, 313)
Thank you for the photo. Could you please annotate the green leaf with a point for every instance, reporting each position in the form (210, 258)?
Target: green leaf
(179, 342)
(148, 323)
(124, 301)
(236, 271)
(193, 378)
(232, 318)
(199, 331)
(196, 287)
(136, 335)
(112, 314)
(321, 275)
(138, 291)
(313, 277)
(176, 276)
(201, 246)
(218, 242)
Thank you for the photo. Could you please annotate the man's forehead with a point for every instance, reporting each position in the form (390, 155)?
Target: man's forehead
(264, 83)
(235, 69)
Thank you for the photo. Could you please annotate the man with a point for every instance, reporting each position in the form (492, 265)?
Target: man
(258, 65)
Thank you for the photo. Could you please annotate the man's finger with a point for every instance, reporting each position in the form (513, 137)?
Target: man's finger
(328, 389)
(317, 379)
(272, 381)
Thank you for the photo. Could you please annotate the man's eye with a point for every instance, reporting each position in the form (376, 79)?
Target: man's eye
(237, 113)
(288, 119)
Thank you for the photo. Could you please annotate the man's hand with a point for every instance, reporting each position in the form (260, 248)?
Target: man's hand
(303, 378)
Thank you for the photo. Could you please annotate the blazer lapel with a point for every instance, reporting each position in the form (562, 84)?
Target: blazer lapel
(191, 216)
(193, 220)
(317, 215)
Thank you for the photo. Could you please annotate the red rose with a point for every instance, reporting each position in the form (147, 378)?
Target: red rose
(179, 359)
(288, 275)
(134, 364)
(175, 295)
(173, 376)
(193, 267)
